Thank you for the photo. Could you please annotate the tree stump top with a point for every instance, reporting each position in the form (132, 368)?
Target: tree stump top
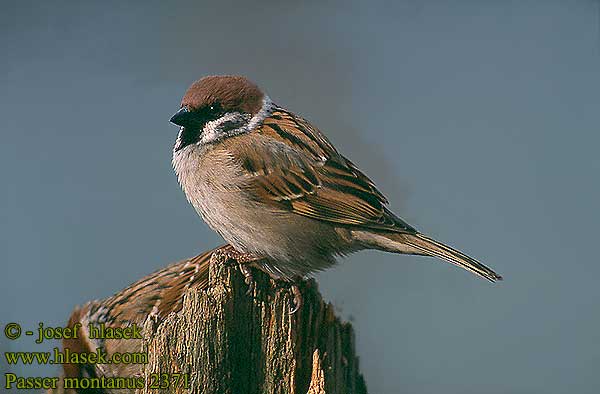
(227, 341)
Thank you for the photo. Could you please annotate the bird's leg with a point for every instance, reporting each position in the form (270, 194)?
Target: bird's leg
(244, 262)
(297, 300)
(248, 278)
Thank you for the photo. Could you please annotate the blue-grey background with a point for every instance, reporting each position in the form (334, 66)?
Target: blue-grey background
(479, 120)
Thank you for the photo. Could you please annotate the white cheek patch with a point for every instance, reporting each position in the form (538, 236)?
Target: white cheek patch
(210, 132)
(265, 111)
(215, 129)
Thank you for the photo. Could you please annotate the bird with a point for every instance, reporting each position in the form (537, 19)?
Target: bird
(278, 191)
(153, 297)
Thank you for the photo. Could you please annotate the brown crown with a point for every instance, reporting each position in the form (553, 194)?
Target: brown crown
(233, 93)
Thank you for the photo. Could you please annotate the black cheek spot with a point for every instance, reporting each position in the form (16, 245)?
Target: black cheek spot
(231, 125)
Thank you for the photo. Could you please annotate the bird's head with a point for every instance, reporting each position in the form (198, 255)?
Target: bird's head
(217, 107)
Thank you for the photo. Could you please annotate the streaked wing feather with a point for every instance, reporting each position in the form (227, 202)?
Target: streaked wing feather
(312, 179)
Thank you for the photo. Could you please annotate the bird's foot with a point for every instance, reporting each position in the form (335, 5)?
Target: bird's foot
(241, 257)
(244, 263)
(297, 299)
(248, 278)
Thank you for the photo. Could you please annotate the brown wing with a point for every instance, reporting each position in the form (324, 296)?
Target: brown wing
(301, 171)
(160, 292)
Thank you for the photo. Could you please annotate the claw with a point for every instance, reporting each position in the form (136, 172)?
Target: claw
(243, 261)
(298, 302)
(251, 288)
(248, 278)
(251, 285)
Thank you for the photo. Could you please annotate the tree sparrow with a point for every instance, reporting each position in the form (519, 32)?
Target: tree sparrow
(274, 187)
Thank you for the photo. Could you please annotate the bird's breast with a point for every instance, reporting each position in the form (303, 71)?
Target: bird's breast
(214, 184)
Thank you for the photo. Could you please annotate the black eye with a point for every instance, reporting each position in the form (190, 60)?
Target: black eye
(214, 109)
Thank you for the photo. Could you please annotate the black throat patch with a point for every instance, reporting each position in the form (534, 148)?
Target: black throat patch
(187, 136)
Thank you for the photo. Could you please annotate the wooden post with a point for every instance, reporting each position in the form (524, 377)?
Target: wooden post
(228, 342)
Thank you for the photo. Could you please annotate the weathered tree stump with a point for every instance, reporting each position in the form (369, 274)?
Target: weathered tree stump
(231, 342)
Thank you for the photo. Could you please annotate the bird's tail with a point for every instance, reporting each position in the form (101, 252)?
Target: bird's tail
(423, 245)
